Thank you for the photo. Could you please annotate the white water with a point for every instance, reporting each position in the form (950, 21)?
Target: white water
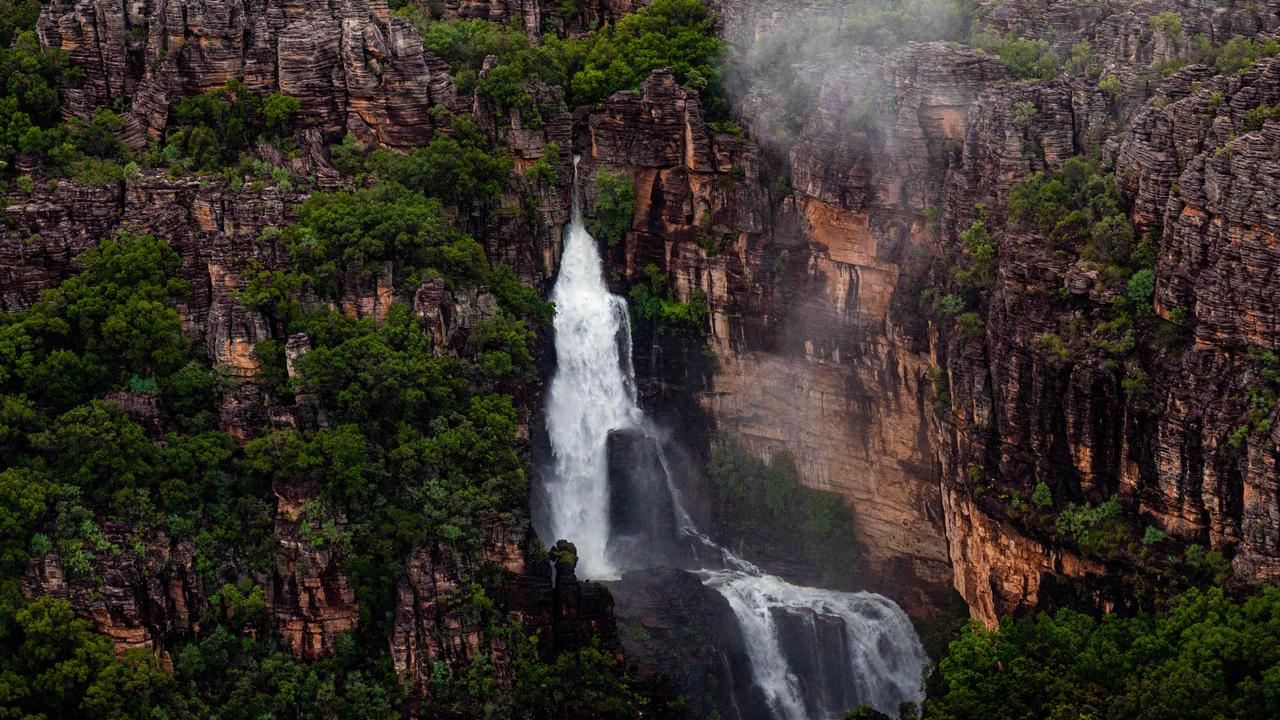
(589, 396)
(592, 393)
(883, 656)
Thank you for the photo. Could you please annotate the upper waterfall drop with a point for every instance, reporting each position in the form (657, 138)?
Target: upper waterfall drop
(590, 395)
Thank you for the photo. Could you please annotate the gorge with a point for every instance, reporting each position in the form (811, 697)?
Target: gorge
(583, 359)
(874, 657)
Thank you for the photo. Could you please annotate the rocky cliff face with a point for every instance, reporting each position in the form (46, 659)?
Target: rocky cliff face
(819, 345)
(792, 282)
(355, 69)
(820, 350)
(683, 640)
(1219, 225)
(1027, 417)
(353, 66)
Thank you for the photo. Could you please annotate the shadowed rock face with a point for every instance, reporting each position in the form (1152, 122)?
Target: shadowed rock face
(642, 516)
(815, 645)
(681, 637)
(429, 628)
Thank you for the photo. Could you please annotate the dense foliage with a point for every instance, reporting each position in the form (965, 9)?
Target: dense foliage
(459, 168)
(653, 305)
(1208, 657)
(72, 458)
(1025, 58)
(52, 665)
(678, 34)
(30, 119)
(614, 207)
(213, 129)
(418, 448)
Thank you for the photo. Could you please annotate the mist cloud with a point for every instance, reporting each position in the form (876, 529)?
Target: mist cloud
(794, 64)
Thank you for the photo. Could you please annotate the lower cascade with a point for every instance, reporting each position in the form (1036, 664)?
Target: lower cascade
(813, 652)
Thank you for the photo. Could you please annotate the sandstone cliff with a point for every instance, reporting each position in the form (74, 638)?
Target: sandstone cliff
(354, 66)
(818, 345)
(821, 350)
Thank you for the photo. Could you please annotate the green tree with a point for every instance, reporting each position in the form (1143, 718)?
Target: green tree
(614, 206)
(1026, 59)
(30, 101)
(1206, 658)
(53, 665)
(213, 128)
(97, 329)
(454, 168)
(1240, 53)
(348, 230)
(679, 34)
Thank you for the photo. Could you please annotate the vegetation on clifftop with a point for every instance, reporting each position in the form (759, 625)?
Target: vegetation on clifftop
(676, 34)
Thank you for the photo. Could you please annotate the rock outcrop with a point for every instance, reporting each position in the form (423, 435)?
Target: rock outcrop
(149, 590)
(431, 624)
(682, 639)
(354, 67)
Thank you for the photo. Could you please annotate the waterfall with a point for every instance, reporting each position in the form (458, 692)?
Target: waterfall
(814, 653)
(589, 396)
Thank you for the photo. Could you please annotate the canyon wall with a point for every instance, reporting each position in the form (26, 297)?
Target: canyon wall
(355, 69)
(151, 593)
(811, 252)
(821, 347)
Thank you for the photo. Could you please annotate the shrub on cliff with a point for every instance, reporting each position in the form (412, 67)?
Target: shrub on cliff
(886, 24)
(1026, 59)
(215, 127)
(1077, 207)
(340, 232)
(15, 17)
(464, 44)
(1240, 53)
(1081, 211)
(30, 101)
(679, 34)
(457, 168)
(764, 504)
(1098, 530)
(230, 676)
(100, 327)
(614, 207)
(652, 302)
